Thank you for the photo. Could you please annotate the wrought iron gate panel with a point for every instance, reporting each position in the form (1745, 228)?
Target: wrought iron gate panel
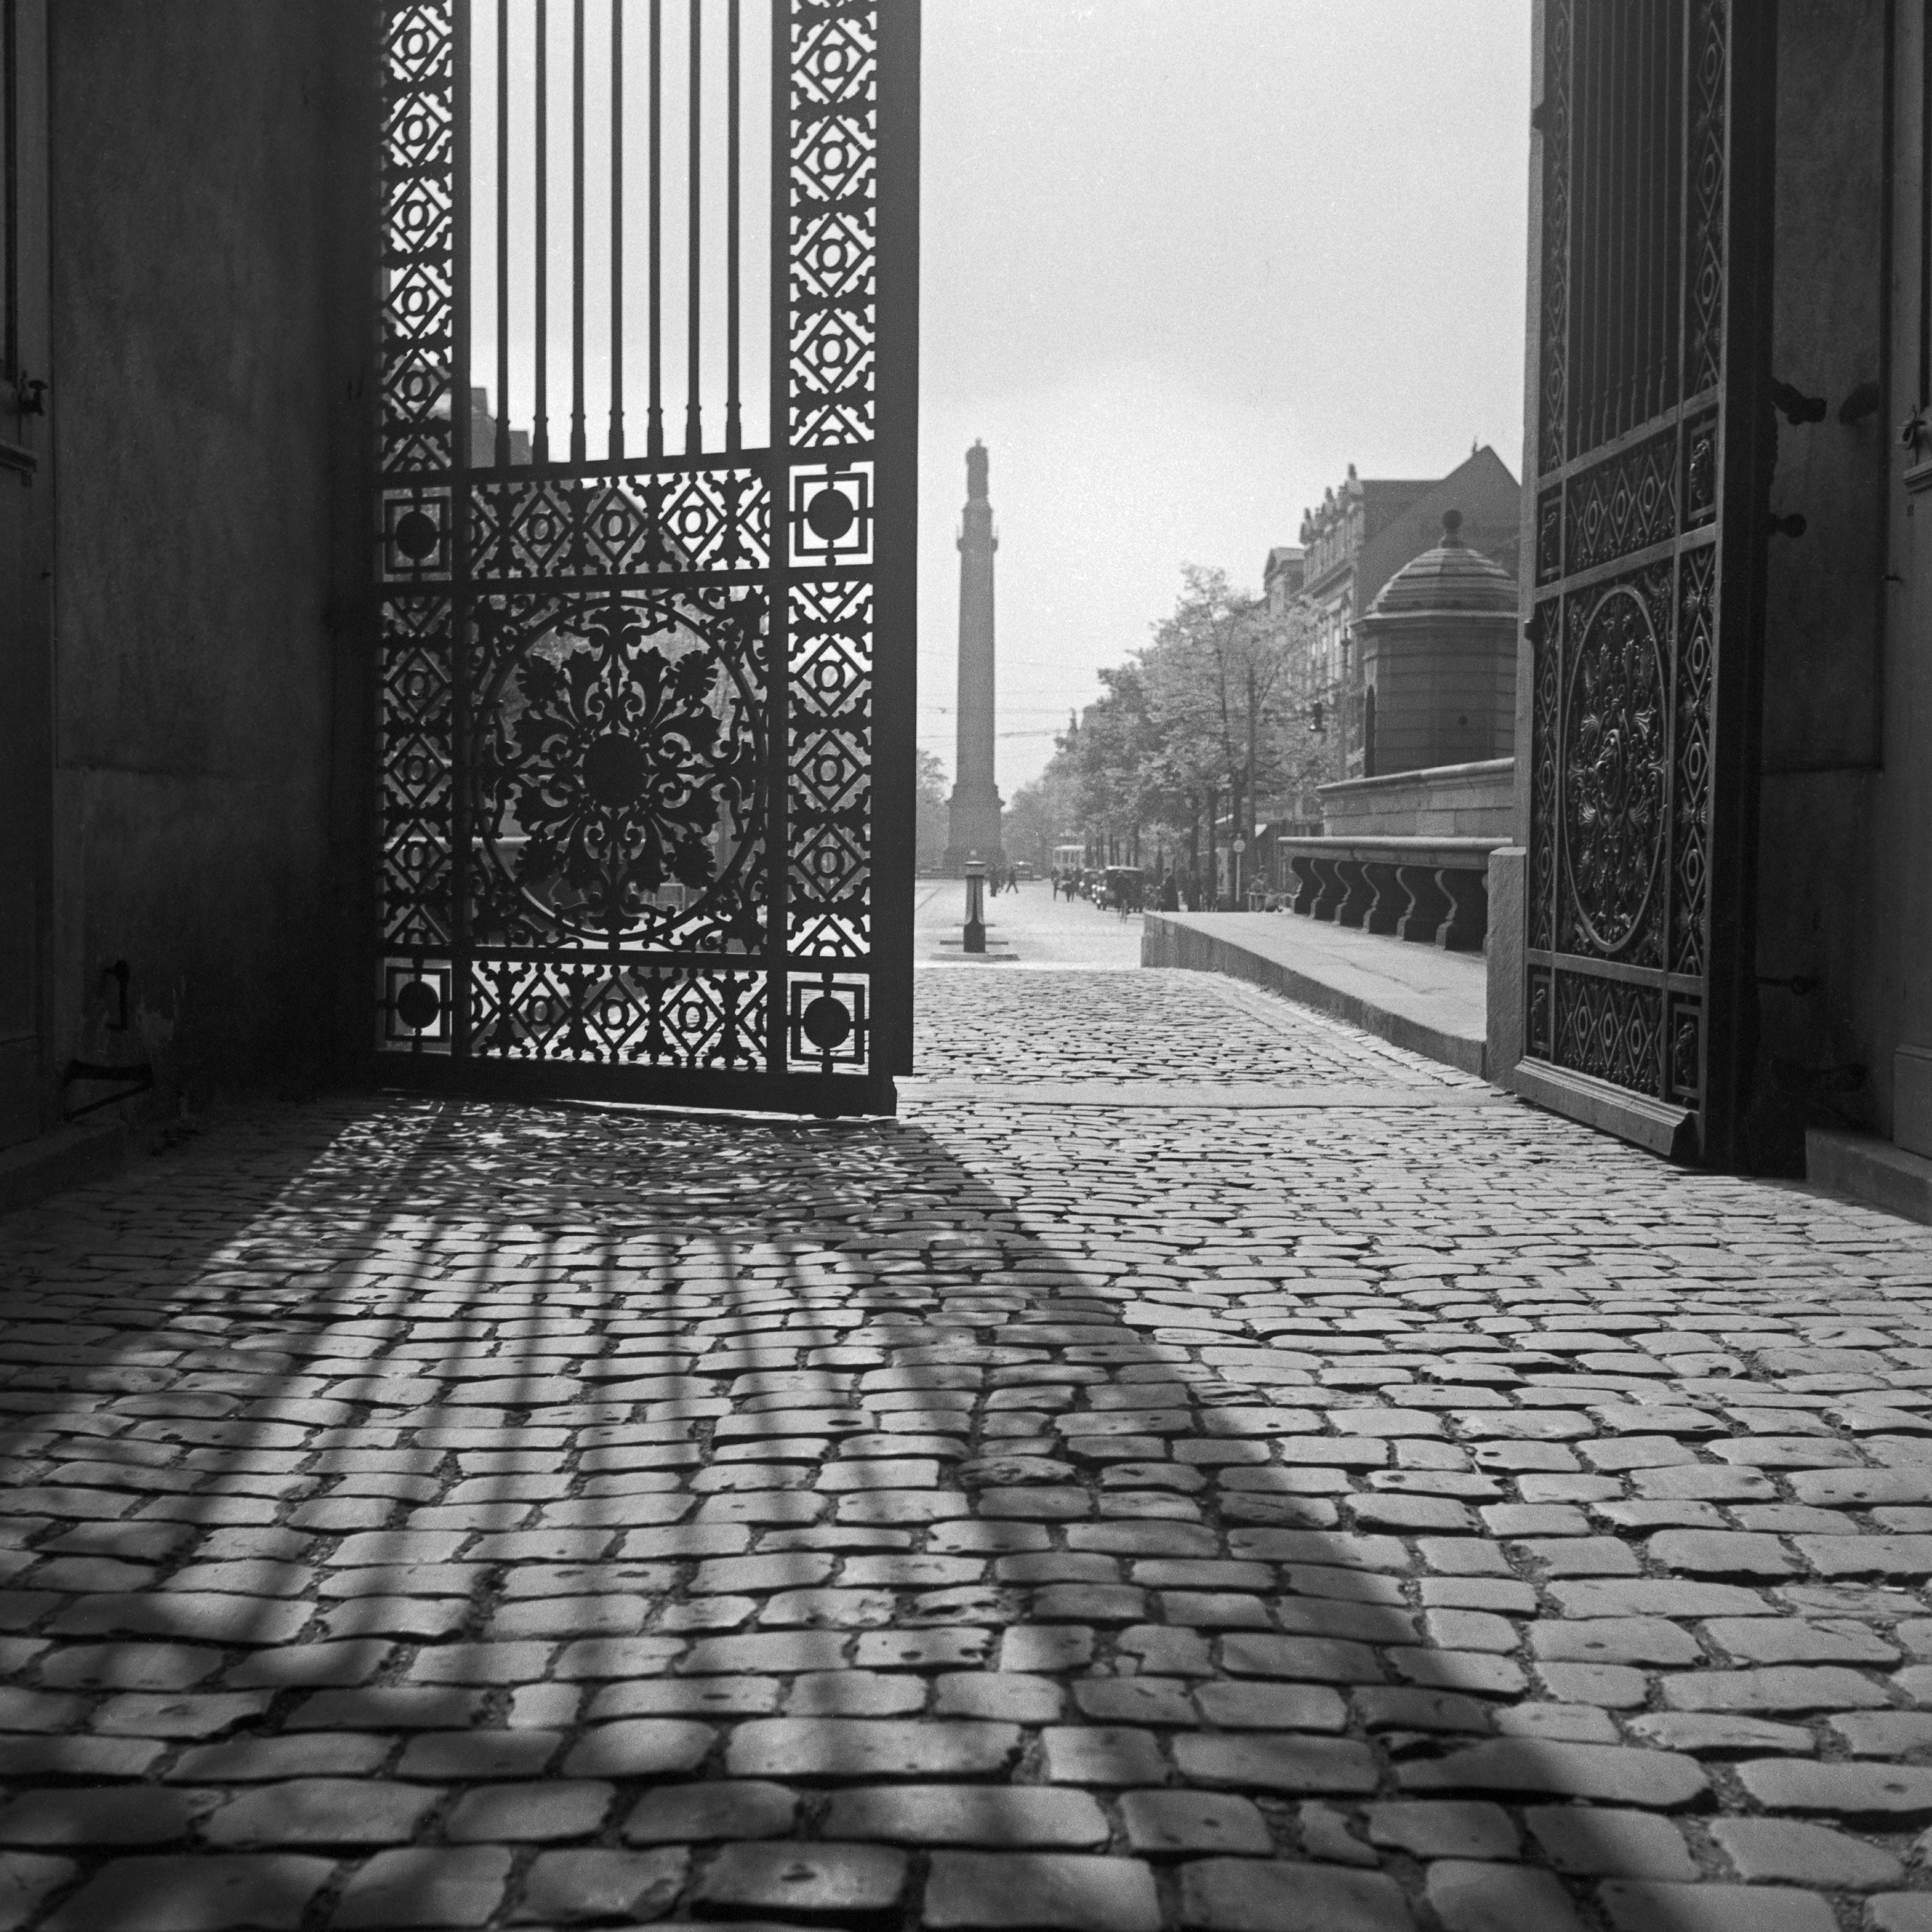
(645, 718)
(1646, 394)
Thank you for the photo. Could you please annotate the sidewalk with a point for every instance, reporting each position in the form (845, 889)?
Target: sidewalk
(1431, 1002)
(1037, 1511)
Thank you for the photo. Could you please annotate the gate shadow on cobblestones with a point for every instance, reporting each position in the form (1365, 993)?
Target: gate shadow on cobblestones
(545, 1510)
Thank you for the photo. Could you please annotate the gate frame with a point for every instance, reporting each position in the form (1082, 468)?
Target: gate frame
(893, 695)
(1710, 1131)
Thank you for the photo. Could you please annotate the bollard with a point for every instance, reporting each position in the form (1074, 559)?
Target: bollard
(975, 906)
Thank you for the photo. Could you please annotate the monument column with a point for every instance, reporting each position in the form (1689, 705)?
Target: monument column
(974, 822)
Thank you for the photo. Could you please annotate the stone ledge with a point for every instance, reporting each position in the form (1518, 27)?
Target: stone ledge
(1415, 996)
(63, 1159)
(1866, 1168)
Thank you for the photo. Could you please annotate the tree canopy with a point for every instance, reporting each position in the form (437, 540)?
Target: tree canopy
(1219, 719)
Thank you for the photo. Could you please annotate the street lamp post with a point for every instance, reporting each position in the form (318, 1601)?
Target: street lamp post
(1240, 846)
(975, 905)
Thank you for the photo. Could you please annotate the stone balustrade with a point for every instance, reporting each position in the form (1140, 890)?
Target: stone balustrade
(1430, 890)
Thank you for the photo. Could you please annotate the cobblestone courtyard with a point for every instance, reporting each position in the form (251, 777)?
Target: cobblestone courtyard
(1410, 1511)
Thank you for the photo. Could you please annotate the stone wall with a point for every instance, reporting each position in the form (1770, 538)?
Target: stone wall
(210, 324)
(1475, 801)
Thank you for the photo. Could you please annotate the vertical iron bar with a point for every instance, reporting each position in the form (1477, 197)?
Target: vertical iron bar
(733, 428)
(616, 448)
(1607, 223)
(778, 639)
(461, 620)
(1655, 94)
(1617, 231)
(576, 446)
(502, 451)
(694, 433)
(1582, 178)
(894, 648)
(1680, 305)
(655, 442)
(540, 404)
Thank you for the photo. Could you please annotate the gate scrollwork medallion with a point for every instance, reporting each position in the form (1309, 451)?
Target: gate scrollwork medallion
(1615, 773)
(620, 775)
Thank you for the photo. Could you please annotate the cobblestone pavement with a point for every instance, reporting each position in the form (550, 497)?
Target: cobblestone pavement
(1017, 1515)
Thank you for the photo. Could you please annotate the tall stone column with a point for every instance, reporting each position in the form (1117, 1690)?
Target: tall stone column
(974, 823)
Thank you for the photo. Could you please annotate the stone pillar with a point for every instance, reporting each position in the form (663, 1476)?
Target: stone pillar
(974, 824)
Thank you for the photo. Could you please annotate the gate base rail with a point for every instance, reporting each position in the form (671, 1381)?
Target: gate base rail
(1659, 1125)
(746, 1090)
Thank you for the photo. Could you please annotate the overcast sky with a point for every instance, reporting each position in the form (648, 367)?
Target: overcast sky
(1185, 260)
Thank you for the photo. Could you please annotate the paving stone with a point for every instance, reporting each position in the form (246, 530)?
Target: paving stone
(136, 1815)
(1643, 1639)
(1604, 1773)
(387, 1708)
(1614, 1686)
(26, 1880)
(863, 1748)
(640, 1747)
(1886, 1796)
(426, 1887)
(967, 1814)
(556, 1808)
(1567, 1724)
(1789, 1640)
(460, 1756)
(1900, 1912)
(1470, 1896)
(813, 1881)
(1250, 1706)
(1639, 1905)
(1656, 1596)
(701, 1814)
(1813, 1854)
(1168, 1824)
(1003, 1696)
(1320, 1660)
(1275, 1761)
(1599, 1841)
(255, 1760)
(322, 1811)
(1052, 1892)
(1460, 1670)
(1445, 1828)
(585, 1883)
(222, 1894)
(1101, 1754)
(1261, 1895)
(1884, 1733)
(1720, 1733)
(1733, 1553)
(1786, 1688)
(1868, 1555)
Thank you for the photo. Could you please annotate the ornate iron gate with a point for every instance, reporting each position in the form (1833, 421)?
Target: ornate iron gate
(1641, 605)
(647, 673)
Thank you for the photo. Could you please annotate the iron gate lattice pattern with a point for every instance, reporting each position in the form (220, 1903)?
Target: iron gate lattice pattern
(1636, 403)
(645, 716)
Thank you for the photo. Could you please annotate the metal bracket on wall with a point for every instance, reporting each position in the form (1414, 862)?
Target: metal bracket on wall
(137, 1079)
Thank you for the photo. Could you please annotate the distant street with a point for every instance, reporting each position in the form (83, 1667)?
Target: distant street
(1030, 926)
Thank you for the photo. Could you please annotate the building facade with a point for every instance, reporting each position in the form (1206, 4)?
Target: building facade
(1363, 531)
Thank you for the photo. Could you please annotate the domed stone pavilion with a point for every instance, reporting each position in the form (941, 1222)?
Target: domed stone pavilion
(1438, 661)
